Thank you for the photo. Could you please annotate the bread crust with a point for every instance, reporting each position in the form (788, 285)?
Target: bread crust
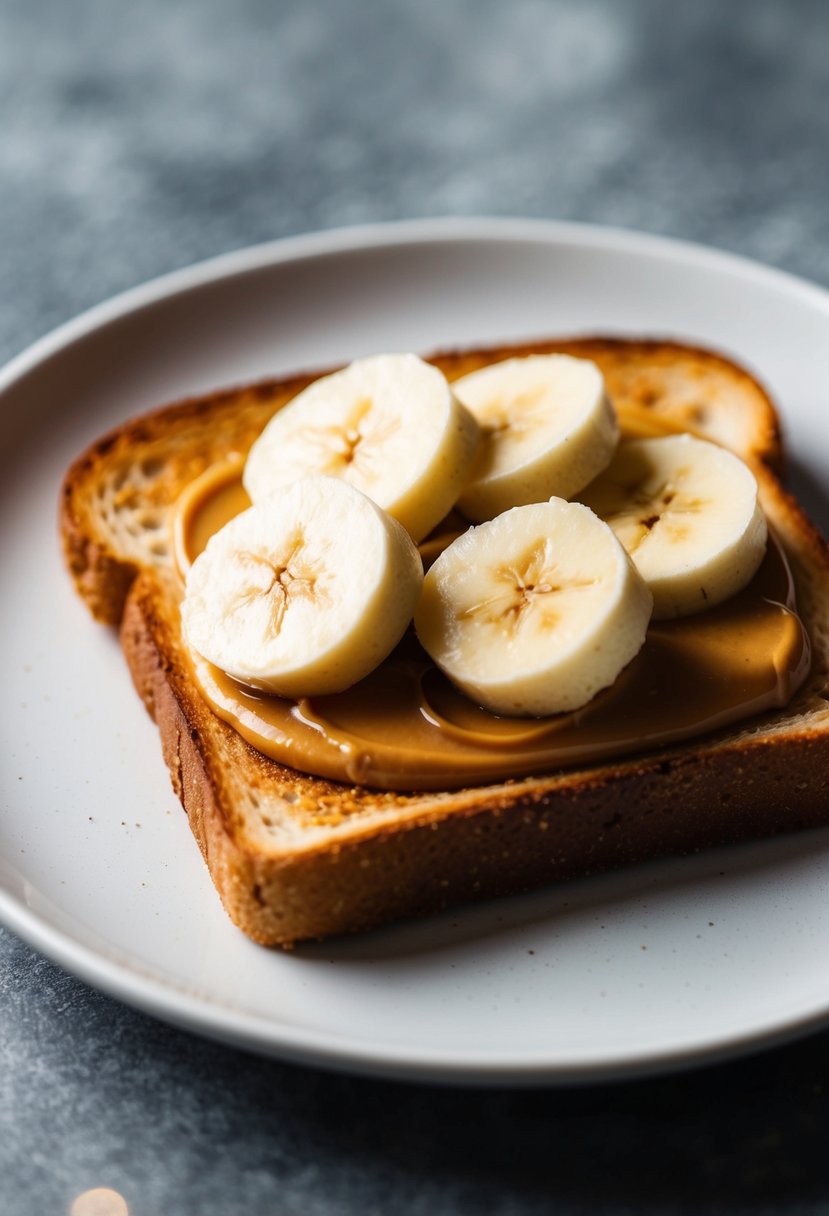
(296, 857)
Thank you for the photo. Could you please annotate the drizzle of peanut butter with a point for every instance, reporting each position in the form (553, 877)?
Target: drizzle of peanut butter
(405, 727)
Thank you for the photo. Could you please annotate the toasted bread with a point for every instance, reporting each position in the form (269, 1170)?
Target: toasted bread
(294, 856)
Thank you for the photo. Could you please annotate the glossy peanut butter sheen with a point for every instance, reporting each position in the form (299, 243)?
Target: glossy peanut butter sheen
(405, 727)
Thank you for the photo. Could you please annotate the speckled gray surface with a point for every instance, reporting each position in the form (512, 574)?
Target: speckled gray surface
(135, 138)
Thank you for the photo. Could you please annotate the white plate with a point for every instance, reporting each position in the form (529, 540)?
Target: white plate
(639, 971)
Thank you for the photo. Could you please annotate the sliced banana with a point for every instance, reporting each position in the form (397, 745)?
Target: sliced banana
(304, 594)
(534, 612)
(687, 512)
(548, 429)
(389, 425)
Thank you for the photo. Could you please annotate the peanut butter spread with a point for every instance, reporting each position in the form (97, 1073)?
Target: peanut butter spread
(405, 727)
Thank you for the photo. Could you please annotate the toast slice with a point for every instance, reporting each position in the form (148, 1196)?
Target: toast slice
(296, 857)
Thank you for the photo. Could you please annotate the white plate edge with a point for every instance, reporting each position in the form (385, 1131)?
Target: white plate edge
(343, 239)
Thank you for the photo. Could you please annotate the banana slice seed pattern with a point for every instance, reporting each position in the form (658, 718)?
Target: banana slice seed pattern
(352, 448)
(526, 585)
(646, 508)
(295, 577)
(517, 414)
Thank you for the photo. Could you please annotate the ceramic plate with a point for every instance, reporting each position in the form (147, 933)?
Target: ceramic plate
(643, 970)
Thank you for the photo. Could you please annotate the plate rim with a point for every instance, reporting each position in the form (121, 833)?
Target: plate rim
(157, 995)
(328, 241)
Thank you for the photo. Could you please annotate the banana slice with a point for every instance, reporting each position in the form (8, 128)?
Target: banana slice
(534, 612)
(304, 594)
(389, 425)
(548, 429)
(687, 512)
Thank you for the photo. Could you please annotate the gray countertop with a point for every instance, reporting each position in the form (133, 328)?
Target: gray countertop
(135, 138)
